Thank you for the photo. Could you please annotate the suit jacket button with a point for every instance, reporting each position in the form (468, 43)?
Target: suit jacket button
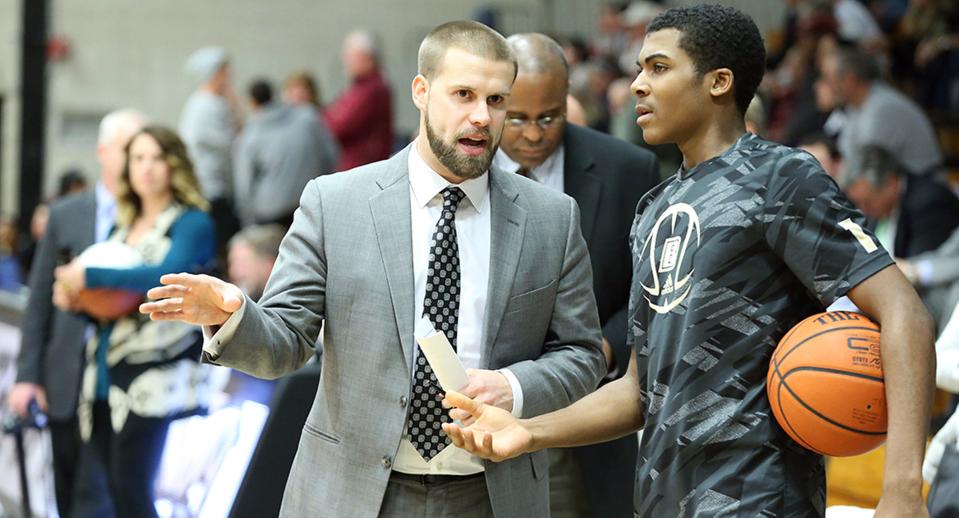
(387, 462)
(403, 401)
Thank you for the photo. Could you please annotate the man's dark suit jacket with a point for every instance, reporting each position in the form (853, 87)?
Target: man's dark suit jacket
(928, 213)
(606, 177)
(51, 350)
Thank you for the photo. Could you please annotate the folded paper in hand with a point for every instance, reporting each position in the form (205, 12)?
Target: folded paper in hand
(442, 358)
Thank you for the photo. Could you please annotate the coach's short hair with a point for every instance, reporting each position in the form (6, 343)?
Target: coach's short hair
(719, 37)
(472, 37)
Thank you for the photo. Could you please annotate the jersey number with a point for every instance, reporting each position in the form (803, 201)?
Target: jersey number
(860, 236)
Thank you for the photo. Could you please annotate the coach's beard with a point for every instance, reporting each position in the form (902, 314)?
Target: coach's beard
(465, 167)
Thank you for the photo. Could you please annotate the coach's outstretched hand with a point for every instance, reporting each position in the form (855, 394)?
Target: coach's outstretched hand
(195, 299)
(488, 432)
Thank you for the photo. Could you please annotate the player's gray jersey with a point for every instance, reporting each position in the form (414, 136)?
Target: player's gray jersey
(728, 256)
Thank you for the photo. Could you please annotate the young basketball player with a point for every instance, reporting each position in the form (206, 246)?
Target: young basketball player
(747, 238)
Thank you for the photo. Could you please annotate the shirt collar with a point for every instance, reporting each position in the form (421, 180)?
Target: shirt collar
(552, 164)
(427, 183)
(105, 200)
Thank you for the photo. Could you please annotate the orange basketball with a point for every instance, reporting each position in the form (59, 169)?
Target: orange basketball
(825, 384)
(108, 304)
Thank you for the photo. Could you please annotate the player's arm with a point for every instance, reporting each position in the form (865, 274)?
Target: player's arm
(909, 367)
(492, 433)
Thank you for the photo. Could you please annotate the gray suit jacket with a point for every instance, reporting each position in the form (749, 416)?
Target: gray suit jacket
(944, 260)
(348, 260)
(51, 350)
(941, 293)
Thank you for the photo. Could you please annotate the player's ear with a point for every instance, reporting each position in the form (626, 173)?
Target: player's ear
(720, 82)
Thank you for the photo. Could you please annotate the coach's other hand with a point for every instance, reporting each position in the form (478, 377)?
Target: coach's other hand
(195, 299)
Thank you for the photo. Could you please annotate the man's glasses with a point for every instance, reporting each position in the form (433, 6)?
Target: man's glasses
(543, 122)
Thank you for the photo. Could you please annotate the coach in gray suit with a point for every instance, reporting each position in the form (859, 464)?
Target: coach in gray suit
(51, 349)
(495, 261)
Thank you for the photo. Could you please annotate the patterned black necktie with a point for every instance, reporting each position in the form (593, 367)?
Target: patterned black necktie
(441, 305)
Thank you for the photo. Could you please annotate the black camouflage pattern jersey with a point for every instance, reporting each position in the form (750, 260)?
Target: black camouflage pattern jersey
(727, 257)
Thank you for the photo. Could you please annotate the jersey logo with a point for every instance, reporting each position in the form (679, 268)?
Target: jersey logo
(670, 280)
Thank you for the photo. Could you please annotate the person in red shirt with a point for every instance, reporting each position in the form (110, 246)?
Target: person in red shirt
(362, 117)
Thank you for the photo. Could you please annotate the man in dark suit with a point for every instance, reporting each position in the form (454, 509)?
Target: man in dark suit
(51, 350)
(913, 216)
(606, 177)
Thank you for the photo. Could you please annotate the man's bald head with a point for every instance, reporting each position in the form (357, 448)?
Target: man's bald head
(536, 108)
(538, 54)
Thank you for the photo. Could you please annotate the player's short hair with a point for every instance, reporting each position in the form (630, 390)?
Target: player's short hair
(719, 37)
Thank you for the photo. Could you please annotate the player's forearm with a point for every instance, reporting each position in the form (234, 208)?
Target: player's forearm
(611, 412)
(909, 367)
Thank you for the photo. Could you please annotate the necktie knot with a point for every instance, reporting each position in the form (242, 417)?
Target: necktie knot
(452, 196)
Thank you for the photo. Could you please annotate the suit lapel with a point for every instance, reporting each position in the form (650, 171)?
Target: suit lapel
(391, 217)
(579, 181)
(507, 228)
(88, 221)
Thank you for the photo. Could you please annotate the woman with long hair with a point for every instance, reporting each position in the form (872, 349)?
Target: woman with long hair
(140, 374)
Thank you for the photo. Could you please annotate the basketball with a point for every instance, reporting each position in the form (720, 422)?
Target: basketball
(105, 303)
(825, 384)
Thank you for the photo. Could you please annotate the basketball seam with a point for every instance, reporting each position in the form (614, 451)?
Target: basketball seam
(810, 337)
(824, 418)
(834, 371)
(796, 434)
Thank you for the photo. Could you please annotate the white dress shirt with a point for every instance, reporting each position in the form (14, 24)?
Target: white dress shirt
(549, 173)
(104, 219)
(473, 242)
(106, 213)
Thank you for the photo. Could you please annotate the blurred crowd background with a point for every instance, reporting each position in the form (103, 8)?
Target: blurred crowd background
(266, 96)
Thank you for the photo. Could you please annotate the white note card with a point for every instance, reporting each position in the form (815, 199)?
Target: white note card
(442, 358)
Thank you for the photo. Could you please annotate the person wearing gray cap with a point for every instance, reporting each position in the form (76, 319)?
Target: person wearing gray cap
(208, 125)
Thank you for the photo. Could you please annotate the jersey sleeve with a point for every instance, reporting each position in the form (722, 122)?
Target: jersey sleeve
(815, 229)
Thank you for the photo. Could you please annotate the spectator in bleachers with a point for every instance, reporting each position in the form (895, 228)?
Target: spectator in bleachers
(300, 88)
(878, 117)
(208, 125)
(790, 87)
(72, 181)
(362, 117)
(912, 214)
(610, 39)
(141, 374)
(821, 146)
(634, 21)
(857, 25)
(931, 31)
(253, 252)
(281, 148)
